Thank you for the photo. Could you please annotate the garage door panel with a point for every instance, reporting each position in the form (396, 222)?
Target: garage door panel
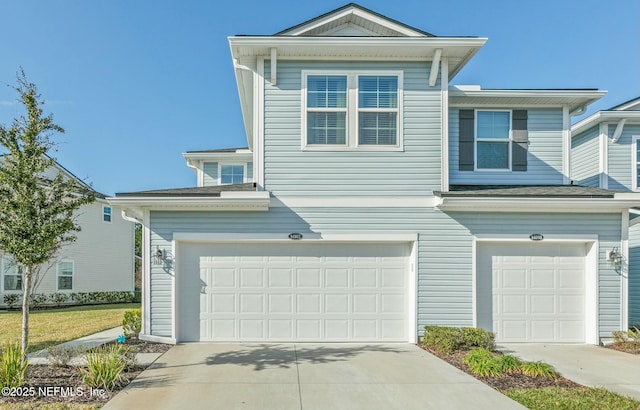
(316, 293)
(536, 291)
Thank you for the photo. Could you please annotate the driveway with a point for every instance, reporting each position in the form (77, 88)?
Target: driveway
(586, 364)
(305, 376)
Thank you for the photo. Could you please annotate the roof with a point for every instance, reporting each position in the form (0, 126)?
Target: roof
(298, 29)
(206, 191)
(626, 105)
(525, 191)
(213, 151)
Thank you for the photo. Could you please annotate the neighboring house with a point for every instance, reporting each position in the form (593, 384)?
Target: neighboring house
(605, 150)
(374, 198)
(101, 259)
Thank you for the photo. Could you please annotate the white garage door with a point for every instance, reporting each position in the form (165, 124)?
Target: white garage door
(292, 292)
(532, 292)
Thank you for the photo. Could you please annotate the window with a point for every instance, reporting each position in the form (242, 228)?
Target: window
(352, 110)
(635, 161)
(231, 174)
(65, 275)
(493, 140)
(11, 275)
(106, 214)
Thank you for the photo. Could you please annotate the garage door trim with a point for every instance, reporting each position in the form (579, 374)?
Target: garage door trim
(591, 272)
(369, 237)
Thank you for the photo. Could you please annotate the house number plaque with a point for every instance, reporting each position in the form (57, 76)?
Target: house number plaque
(295, 235)
(536, 237)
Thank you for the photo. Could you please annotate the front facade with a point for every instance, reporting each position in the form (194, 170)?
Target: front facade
(375, 198)
(100, 260)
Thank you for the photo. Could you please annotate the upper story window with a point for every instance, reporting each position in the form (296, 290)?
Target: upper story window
(352, 110)
(635, 162)
(106, 214)
(11, 275)
(493, 140)
(65, 275)
(231, 174)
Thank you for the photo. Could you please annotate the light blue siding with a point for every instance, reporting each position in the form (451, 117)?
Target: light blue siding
(445, 246)
(585, 158)
(544, 155)
(249, 176)
(621, 158)
(210, 171)
(634, 275)
(416, 171)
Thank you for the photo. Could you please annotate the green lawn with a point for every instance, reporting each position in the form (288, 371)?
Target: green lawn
(572, 399)
(54, 326)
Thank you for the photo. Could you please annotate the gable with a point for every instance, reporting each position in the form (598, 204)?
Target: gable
(631, 105)
(353, 20)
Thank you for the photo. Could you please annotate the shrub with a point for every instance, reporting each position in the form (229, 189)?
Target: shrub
(58, 298)
(620, 336)
(482, 363)
(508, 363)
(132, 322)
(11, 299)
(137, 296)
(538, 369)
(61, 355)
(38, 299)
(13, 366)
(476, 337)
(105, 366)
(449, 339)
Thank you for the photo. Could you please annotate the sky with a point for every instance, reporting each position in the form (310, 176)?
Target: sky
(135, 83)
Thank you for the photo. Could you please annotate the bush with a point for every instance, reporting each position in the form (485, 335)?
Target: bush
(13, 366)
(508, 363)
(132, 322)
(61, 355)
(11, 299)
(105, 366)
(137, 296)
(38, 299)
(58, 298)
(450, 339)
(538, 369)
(620, 336)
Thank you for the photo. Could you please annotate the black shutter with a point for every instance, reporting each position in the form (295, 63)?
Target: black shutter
(466, 123)
(520, 143)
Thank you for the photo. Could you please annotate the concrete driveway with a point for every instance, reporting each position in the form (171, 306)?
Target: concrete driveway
(589, 365)
(305, 376)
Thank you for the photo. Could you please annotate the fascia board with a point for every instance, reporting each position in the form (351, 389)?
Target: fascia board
(602, 116)
(391, 42)
(231, 200)
(576, 205)
(221, 156)
(560, 94)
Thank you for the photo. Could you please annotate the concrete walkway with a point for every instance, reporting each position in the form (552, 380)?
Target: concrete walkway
(305, 376)
(586, 364)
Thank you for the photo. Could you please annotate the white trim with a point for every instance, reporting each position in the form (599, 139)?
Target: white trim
(158, 339)
(352, 111)
(474, 281)
(444, 138)
(624, 271)
(104, 213)
(174, 312)
(591, 335)
(284, 237)
(73, 275)
(634, 162)
(4, 258)
(539, 204)
(146, 273)
(433, 75)
(274, 65)
(230, 163)
(603, 165)
(353, 202)
(618, 131)
(258, 162)
(412, 293)
(509, 142)
(566, 145)
(603, 116)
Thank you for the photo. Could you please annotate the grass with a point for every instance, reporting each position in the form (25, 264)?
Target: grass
(572, 399)
(48, 406)
(55, 326)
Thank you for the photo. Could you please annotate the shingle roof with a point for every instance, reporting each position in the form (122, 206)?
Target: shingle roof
(206, 191)
(216, 150)
(523, 191)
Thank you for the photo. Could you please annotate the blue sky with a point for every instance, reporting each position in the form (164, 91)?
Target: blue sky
(136, 83)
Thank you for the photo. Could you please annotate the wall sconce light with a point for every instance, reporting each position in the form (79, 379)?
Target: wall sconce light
(158, 256)
(614, 256)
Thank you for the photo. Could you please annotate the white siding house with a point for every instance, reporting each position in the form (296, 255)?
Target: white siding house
(374, 198)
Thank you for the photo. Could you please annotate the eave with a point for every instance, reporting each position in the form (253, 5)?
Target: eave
(605, 116)
(227, 201)
(616, 204)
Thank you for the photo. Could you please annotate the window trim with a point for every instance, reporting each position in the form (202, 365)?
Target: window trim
(634, 162)
(352, 111)
(2, 276)
(231, 163)
(104, 207)
(73, 275)
(509, 142)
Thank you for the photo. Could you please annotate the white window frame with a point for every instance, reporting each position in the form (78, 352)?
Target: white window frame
(352, 110)
(232, 163)
(475, 141)
(104, 213)
(634, 162)
(73, 275)
(3, 260)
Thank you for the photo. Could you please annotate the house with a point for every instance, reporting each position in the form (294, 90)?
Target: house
(101, 259)
(605, 153)
(374, 198)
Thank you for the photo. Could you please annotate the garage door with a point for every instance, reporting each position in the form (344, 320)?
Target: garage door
(532, 292)
(292, 292)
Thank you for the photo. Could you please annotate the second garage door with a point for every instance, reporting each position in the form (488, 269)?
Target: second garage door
(532, 292)
(292, 292)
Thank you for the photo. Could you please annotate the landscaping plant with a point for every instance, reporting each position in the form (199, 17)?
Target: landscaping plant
(132, 322)
(450, 339)
(13, 366)
(61, 355)
(105, 365)
(538, 369)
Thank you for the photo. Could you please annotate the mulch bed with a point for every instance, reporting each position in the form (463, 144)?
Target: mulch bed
(49, 383)
(625, 347)
(507, 381)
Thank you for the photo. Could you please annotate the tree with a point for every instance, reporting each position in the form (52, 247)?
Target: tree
(36, 212)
